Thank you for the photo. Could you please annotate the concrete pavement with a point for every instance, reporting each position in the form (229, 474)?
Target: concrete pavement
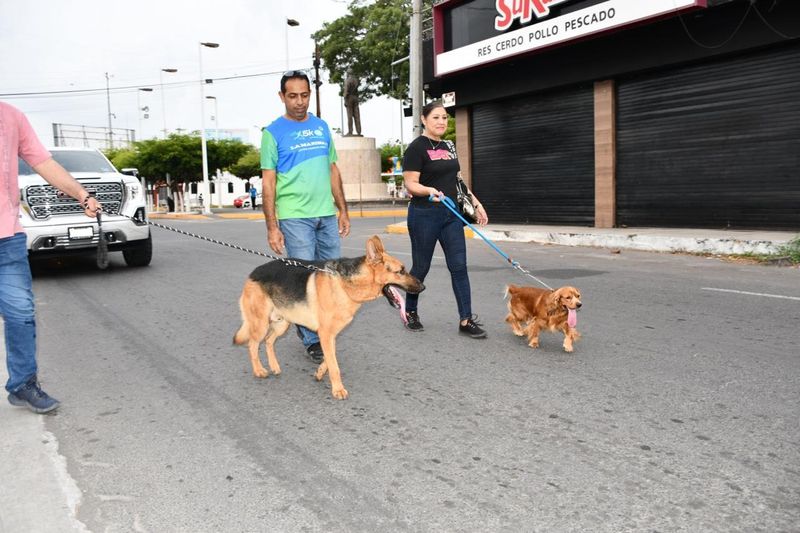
(36, 492)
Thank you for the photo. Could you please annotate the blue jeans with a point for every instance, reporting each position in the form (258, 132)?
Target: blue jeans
(16, 306)
(311, 239)
(426, 226)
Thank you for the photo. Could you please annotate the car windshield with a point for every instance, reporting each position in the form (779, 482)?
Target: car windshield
(74, 161)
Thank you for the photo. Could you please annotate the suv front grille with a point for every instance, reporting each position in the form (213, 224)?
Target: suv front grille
(46, 201)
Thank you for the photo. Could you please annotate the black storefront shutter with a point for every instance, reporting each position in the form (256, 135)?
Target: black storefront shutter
(533, 157)
(714, 145)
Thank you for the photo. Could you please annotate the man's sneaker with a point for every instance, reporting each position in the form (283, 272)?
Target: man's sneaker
(33, 397)
(472, 328)
(413, 322)
(315, 353)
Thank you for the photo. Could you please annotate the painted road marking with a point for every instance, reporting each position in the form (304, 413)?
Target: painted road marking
(754, 293)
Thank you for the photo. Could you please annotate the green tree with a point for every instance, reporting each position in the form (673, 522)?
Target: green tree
(450, 132)
(367, 40)
(389, 150)
(249, 165)
(178, 155)
(123, 157)
(225, 153)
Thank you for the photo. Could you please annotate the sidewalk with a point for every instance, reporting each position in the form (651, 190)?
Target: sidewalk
(704, 241)
(723, 242)
(37, 493)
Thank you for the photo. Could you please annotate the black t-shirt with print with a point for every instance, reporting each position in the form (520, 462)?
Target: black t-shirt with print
(437, 164)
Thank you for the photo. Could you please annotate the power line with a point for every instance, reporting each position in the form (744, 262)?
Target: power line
(131, 88)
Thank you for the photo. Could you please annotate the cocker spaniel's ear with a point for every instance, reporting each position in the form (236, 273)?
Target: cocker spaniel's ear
(554, 299)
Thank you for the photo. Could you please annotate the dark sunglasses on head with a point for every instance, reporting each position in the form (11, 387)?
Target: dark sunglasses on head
(295, 74)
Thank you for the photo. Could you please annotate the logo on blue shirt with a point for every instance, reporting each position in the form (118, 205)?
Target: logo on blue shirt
(307, 133)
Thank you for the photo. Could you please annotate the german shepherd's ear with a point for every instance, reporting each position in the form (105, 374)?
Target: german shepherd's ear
(375, 249)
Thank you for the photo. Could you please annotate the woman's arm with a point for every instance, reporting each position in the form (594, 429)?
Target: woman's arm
(412, 184)
(480, 212)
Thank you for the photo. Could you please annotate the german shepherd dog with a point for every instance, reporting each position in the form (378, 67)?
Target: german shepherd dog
(277, 295)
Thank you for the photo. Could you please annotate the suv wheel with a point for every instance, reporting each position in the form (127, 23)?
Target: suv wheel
(140, 254)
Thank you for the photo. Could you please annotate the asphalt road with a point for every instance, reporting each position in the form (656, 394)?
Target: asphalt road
(678, 410)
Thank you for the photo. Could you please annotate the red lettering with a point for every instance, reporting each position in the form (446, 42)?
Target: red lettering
(510, 10)
(505, 19)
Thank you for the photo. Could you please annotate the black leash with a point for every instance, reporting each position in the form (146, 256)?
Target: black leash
(102, 245)
(291, 262)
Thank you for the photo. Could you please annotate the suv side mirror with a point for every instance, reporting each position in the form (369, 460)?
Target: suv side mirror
(130, 172)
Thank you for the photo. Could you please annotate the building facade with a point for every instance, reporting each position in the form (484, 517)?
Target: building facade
(612, 113)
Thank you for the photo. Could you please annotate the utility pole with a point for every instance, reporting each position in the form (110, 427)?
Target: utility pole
(108, 101)
(317, 81)
(415, 72)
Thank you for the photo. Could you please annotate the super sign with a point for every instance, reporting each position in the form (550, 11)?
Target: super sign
(509, 10)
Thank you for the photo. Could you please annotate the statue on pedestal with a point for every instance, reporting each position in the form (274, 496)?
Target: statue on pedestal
(350, 94)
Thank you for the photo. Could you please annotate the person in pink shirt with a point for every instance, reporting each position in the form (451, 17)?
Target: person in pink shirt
(17, 139)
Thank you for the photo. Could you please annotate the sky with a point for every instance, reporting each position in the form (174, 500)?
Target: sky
(53, 45)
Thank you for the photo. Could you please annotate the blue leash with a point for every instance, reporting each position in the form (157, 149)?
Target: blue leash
(450, 204)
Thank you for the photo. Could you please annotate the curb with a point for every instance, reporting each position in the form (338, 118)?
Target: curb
(641, 240)
(260, 216)
(401, 229)
(188, 216)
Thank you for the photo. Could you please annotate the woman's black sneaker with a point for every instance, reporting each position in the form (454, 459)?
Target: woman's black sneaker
(413, 322)
(472, 328)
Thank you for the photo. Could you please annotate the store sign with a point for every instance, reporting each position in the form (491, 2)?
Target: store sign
(510, 10)
(599, 18)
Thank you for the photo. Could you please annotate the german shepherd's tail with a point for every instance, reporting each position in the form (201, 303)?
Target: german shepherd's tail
(241, 336)
(250, 303)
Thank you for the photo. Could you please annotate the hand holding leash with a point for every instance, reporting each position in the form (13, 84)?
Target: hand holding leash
(436, 196)
(344, 224)
(275, 240)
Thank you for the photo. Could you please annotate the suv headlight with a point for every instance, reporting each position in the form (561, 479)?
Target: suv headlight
(132, 190)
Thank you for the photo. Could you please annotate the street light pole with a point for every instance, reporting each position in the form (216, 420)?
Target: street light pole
(216, 136)
(289, 22)
(402, 113)
(216, 117)
(163, 104)
(206, 188)
(415, 64)
(110, 128)
(139, 105)
(317, 81)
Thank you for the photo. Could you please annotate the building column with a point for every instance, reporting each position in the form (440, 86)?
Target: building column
(464, 144)
(605, 154)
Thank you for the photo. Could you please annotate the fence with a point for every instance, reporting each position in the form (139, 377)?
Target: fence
(92, 136)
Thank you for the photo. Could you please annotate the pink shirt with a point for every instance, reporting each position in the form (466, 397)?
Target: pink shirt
(17, 138)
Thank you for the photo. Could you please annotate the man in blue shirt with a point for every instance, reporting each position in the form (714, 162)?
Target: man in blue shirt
(301, 186)
(253, 196)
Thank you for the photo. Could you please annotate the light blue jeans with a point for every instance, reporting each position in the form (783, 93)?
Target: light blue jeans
(16, 306)
(311, 239)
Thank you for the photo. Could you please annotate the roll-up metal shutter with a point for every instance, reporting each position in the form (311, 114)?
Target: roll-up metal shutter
(533, 158)
(715, 145)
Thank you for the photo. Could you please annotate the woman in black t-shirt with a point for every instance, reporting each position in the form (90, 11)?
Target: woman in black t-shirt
(430, 170)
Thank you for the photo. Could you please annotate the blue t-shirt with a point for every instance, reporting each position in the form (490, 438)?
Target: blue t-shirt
(301, 153)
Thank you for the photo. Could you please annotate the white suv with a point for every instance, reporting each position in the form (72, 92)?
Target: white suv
(56, 224)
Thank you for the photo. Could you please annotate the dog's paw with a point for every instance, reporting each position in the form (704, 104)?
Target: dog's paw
(518, 332)
(260, 372)
(322, 369)
(534, 344)
(568, 349)
(339, 394)
(276, 371)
